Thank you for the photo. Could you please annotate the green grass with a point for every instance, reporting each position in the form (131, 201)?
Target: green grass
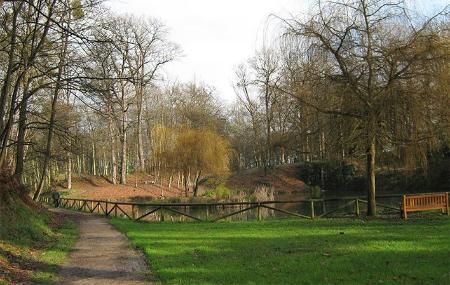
(54, 252)
(295, 251)
(33, 242)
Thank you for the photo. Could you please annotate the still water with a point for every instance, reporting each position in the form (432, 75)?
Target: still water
(333, 205)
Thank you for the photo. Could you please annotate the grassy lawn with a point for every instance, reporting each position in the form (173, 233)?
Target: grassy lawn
(295, 251)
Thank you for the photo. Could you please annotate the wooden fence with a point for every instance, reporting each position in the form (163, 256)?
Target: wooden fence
(213, 212)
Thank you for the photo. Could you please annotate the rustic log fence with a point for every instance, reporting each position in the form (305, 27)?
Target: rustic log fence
(213, 212)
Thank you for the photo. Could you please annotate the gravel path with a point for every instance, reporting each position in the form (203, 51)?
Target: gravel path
(102, 255)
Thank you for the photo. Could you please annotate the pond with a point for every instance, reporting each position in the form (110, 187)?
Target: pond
(302, 206)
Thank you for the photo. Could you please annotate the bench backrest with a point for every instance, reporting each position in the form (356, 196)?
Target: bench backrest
(425, 201)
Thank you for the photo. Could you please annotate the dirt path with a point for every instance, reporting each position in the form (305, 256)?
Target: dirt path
(102, 255)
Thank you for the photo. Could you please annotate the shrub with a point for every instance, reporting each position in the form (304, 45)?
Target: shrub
(316, 192)
(209, 193)
(222, 192)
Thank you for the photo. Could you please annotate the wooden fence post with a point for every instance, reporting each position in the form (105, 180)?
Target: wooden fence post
(259, 211)
(161, 213)
(312, 209)
(357, 211)
(207, 212)
(405, 215)
(106, 209)
(448, 207)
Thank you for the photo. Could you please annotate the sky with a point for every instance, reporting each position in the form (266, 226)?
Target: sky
(216, 36)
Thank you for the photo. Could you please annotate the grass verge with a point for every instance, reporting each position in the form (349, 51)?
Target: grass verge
(33, 241)
(295, 251)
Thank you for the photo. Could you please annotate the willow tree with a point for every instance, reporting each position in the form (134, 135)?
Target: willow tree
(162, 144)
(360, 54)
(203, 154)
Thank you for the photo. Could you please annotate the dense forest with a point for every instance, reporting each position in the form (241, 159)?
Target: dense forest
(355, 83)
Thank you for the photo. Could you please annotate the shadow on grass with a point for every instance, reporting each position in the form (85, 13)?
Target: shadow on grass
(72, 273)
(20, 267)
(322, 252)
(34, 256)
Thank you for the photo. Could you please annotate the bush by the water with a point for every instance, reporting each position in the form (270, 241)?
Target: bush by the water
(220, 192)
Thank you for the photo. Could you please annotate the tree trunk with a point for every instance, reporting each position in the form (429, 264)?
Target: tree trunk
(197, 178)
(139, 136)
(123, 158)
(105, 164)
(113, 153)
(20, 151)
(69, 170)
(186, 185)
(268, 162)
(78, 165)
(52, 117)
(45, 166)
(94, 165)
(11, 57)
(371, 205)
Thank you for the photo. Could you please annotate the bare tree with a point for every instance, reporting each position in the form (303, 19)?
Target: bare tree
(356, 41)
(151, 51)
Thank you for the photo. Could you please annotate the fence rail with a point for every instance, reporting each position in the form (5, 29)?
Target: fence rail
(217, 211)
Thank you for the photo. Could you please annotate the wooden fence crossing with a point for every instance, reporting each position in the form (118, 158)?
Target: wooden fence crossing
(217, 211)
(213, 212)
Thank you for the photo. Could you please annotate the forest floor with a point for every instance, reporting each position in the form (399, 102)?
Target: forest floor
(139, 186)
(288, 182)
(284, 180)
(102, 256)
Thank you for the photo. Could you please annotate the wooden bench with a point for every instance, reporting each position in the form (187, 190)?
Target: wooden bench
(425, 202)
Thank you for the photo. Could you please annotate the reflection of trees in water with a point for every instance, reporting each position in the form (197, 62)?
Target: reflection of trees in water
(262, 193)
(211, 212)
